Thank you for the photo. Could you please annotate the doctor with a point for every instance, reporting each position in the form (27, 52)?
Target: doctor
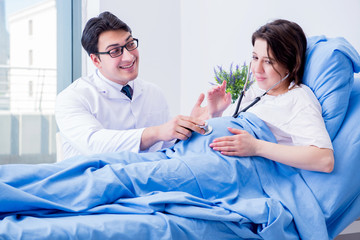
(97, 114)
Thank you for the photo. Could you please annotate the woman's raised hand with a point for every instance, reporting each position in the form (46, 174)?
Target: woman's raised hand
(218, 100)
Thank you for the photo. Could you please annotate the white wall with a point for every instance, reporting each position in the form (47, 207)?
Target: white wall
(200, 34)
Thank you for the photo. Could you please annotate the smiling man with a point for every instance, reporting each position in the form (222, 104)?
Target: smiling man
(113, 110)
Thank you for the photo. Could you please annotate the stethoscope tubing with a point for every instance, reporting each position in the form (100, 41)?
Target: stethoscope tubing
(256, 100)
(235, 115)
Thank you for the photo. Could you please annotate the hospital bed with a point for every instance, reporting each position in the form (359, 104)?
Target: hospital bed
(329, 202)
(352, 232)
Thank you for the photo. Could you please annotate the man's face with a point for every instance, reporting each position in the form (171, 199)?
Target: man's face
(123, 68)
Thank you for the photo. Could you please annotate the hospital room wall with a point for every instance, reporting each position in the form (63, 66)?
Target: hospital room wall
(181, 41)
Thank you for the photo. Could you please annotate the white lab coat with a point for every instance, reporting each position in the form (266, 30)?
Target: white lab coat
(95, 117)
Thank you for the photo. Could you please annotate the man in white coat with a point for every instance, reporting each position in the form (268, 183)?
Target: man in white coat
(113, 110)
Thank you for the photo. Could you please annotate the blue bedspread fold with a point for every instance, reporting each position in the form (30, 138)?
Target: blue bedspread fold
(251, 197)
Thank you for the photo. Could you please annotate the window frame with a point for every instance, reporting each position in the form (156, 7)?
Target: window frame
(69, 63)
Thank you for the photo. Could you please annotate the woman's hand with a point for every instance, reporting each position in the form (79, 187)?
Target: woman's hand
(218, 100)
(240, 144)
(304, 157)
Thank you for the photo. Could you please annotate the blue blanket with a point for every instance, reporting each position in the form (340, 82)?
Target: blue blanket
(190, 185)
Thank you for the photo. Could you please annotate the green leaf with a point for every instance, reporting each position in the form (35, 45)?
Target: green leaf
(235, 79)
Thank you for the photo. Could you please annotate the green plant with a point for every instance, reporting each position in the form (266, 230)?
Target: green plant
(235, 79)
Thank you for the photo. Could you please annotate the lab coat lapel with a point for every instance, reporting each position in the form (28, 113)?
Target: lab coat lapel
(108, 90)
(138, 88)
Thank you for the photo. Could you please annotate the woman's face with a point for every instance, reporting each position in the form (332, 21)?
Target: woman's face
(267, 70)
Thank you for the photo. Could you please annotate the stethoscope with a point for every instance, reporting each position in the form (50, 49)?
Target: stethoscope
(257, 99)
(208, 129)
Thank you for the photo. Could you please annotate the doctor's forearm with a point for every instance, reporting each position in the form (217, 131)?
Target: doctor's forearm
(149, 137)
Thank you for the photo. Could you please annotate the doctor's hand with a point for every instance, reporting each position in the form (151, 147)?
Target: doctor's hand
(240, 144)
(218, 100)
(180, 127)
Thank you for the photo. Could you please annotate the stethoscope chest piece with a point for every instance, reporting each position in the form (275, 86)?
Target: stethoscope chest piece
(208, 129)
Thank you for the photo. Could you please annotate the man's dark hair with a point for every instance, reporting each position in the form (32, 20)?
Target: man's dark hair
(106, 21)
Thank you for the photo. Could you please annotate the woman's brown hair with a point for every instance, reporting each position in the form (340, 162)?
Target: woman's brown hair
(287, 41)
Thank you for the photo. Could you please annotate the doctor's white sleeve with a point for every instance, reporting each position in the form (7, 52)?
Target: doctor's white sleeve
(82, 131)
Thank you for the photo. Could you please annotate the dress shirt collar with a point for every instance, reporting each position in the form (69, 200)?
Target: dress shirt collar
(114, 84)
(113, 90)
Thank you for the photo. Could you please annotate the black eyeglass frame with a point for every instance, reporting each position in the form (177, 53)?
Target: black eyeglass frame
(121, 48)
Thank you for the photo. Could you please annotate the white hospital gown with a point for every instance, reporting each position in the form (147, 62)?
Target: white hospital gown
(295, 117)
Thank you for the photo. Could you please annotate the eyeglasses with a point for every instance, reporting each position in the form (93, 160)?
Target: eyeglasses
(118, 51)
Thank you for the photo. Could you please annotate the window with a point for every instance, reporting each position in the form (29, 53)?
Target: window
(29, 76)
(30, 57)
(30, 27)
(30, 88)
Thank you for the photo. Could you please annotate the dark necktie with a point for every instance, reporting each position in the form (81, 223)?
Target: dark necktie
(127, 91)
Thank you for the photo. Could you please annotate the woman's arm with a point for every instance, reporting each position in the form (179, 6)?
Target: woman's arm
(305, 157)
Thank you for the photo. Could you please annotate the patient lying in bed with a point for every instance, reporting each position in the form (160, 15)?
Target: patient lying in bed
(289, 108)
(252, 195)
(190, 180)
